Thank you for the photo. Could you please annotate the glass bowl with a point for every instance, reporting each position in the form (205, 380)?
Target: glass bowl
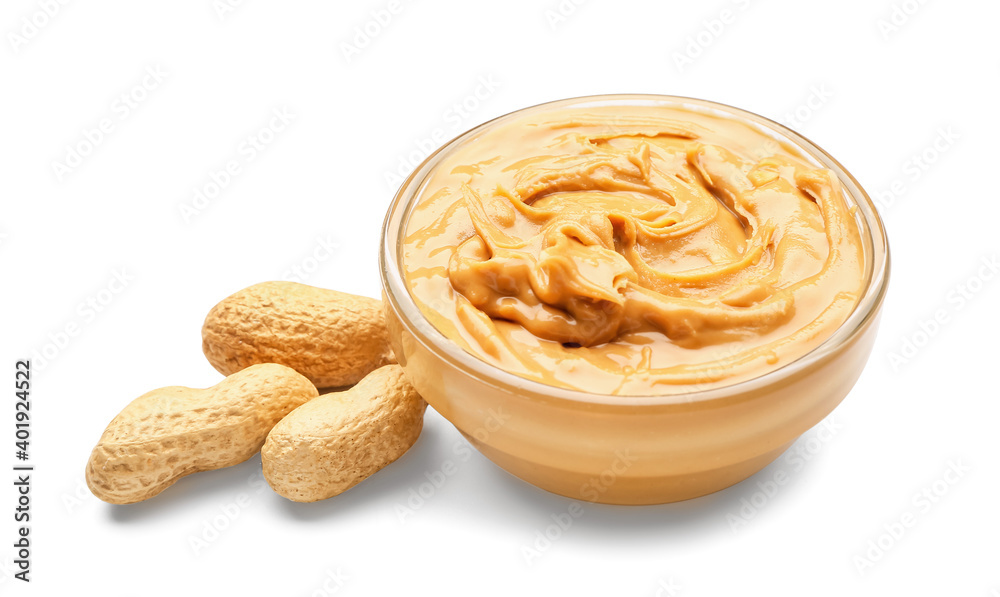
(632, 449)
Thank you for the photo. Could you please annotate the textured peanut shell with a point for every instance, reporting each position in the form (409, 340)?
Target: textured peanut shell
(333, 338)
(334, 442)
(171, 432)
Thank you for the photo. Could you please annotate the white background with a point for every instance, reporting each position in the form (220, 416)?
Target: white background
(910, 109)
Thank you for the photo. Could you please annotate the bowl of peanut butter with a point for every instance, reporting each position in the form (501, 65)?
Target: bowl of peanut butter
(632, 299)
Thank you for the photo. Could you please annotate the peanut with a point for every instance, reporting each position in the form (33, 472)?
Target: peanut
(333, 338)
(171, 432)
(334, 442)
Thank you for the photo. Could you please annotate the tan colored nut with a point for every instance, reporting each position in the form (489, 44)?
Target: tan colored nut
(331, 337)
(171, 432)
(331, 444)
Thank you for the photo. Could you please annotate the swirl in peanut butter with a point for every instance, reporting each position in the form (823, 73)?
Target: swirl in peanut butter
(632, 250)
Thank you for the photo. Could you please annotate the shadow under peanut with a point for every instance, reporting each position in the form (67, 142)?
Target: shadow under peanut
(202, 488)
(420, 486)
(473, 489)
(380, 492)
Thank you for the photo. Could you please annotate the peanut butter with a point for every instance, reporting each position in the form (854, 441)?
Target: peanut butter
(632, 250)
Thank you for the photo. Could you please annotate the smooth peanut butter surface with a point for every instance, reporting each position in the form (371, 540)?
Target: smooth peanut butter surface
(632, 250)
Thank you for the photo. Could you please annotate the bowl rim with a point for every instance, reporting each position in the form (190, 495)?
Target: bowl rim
(397, 294)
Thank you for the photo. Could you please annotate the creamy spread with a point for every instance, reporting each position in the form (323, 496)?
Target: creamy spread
(632, 250)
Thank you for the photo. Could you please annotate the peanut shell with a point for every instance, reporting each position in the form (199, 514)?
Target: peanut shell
(331, 337)
(172, 432)
(326, 446)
